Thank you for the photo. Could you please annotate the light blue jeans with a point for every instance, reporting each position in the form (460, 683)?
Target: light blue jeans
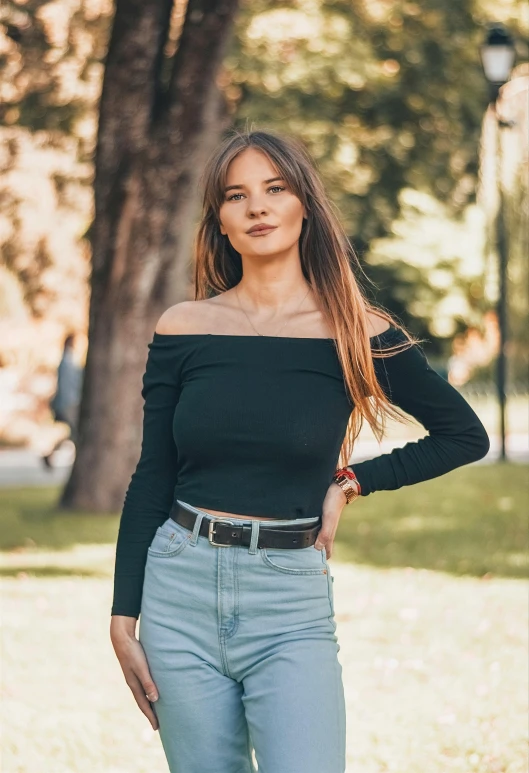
(241, 645)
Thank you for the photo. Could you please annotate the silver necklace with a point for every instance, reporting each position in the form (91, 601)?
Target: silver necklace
(251, 323)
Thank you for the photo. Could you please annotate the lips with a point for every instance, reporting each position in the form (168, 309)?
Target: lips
(262, 230)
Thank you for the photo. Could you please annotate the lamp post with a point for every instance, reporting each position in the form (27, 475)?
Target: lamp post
(497, 59)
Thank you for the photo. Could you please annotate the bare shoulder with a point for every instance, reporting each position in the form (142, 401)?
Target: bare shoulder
(181, 319)
(376, 325)
(199, 317)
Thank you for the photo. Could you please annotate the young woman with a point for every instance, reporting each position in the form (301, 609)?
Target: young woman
(254, 394)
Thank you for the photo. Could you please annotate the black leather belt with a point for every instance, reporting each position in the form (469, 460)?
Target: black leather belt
(222, 532)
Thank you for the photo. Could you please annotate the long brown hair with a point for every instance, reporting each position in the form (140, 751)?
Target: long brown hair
(328, 261)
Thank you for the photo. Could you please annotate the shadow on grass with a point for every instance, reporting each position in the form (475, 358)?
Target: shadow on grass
(472, 521)
(50, 571)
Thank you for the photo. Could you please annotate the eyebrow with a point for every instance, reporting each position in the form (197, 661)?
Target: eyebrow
(271, 180)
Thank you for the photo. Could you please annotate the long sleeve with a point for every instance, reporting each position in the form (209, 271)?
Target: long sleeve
(150, 493)
(456, 434)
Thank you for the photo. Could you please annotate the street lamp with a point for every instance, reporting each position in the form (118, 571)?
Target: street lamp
(497, 59)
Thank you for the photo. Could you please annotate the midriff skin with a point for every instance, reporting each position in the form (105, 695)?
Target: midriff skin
(232, 515)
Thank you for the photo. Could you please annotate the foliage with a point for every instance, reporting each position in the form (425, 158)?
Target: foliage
(375, 90)
(51, 67)
(430, 268)
(50, 75)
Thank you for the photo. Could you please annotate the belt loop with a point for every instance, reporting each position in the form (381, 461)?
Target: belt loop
(196, 528)
(254, 538)
(198, 521)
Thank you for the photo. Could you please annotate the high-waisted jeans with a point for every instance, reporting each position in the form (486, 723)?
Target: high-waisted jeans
(241, 645)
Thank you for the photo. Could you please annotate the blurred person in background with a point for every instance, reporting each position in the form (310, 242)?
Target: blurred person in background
(64, 404)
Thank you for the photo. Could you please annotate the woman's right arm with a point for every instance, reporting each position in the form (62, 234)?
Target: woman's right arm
(147, 504)
(150, 493)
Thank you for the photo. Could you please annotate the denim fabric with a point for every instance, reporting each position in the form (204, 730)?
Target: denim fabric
(241, 645)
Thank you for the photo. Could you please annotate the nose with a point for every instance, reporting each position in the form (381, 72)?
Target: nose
(256, 206)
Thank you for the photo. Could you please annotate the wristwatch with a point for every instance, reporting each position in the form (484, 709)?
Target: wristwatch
(343, 479)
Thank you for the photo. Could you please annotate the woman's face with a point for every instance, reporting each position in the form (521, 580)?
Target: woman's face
(258, 195)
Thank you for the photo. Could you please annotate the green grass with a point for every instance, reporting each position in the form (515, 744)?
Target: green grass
(432, 622)
(471, 521)
(29, 518)
(39, 540)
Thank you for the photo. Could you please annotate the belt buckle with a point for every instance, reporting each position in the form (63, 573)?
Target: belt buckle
(211, 532)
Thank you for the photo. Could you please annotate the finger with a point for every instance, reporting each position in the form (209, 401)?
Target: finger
(328, 548)
(149, 689)
(323, 538)
(148, 709)
(145, 705)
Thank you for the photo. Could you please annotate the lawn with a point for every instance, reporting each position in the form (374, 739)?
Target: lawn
(431, 607)
(472, 521)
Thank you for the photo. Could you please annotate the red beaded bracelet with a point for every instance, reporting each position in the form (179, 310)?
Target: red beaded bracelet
(350, 474)
(341, 477)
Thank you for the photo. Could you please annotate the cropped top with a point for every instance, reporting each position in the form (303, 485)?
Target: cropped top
(253, 425)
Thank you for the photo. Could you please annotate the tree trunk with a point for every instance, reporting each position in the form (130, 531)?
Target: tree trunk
(153, 134)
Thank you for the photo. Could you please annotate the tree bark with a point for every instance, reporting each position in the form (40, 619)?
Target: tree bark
(152, 141)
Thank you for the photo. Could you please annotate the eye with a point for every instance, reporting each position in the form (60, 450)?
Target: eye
(272, 187)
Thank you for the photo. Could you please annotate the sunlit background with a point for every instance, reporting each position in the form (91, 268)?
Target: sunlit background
(392, 101)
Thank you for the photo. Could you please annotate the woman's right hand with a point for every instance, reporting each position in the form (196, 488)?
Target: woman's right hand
(131, 656)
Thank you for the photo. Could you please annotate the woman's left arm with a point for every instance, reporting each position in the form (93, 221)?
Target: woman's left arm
(456, 434)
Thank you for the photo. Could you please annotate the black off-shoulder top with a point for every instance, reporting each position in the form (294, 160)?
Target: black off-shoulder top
(254, 425)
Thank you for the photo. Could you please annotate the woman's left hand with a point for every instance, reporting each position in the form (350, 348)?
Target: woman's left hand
(333, 504)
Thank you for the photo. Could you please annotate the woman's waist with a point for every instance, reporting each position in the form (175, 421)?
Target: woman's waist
(245, 517)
